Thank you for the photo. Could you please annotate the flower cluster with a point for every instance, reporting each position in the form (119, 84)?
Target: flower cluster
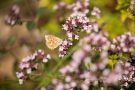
(61, 5)
(96, 12)
(128, 76)
(93, 42)
(93, 54)
(74, 63)
(78, 21)
(132, 7)
(13, 17)
(123, 43)
(122, 74)
(64, 47)
(96, 43)
(79, 5)
(68, 84)
(96, 40)
(30, 63)
(88, 45)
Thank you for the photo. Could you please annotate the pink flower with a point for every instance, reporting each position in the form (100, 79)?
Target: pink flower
(29, 63)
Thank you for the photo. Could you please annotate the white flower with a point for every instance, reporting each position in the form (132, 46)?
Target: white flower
(21, 81)
(76, 37)
(45, 60)
(19, 74)
(48, 56)
(68, 79)
(65, 27)
(29, 71)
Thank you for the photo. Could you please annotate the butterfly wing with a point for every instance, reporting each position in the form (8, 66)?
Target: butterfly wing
(52, 41)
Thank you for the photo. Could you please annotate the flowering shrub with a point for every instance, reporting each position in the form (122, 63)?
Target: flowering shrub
(89, 54)
(88, 66)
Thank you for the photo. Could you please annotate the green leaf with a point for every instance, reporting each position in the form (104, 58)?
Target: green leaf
(125, 15)
(122, 4)
(31, 25)
(41, 11)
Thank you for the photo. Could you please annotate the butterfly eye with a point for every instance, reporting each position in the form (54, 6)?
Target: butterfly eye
(52, 41)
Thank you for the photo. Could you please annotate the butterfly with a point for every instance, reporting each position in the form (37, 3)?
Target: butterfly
(52, 41)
